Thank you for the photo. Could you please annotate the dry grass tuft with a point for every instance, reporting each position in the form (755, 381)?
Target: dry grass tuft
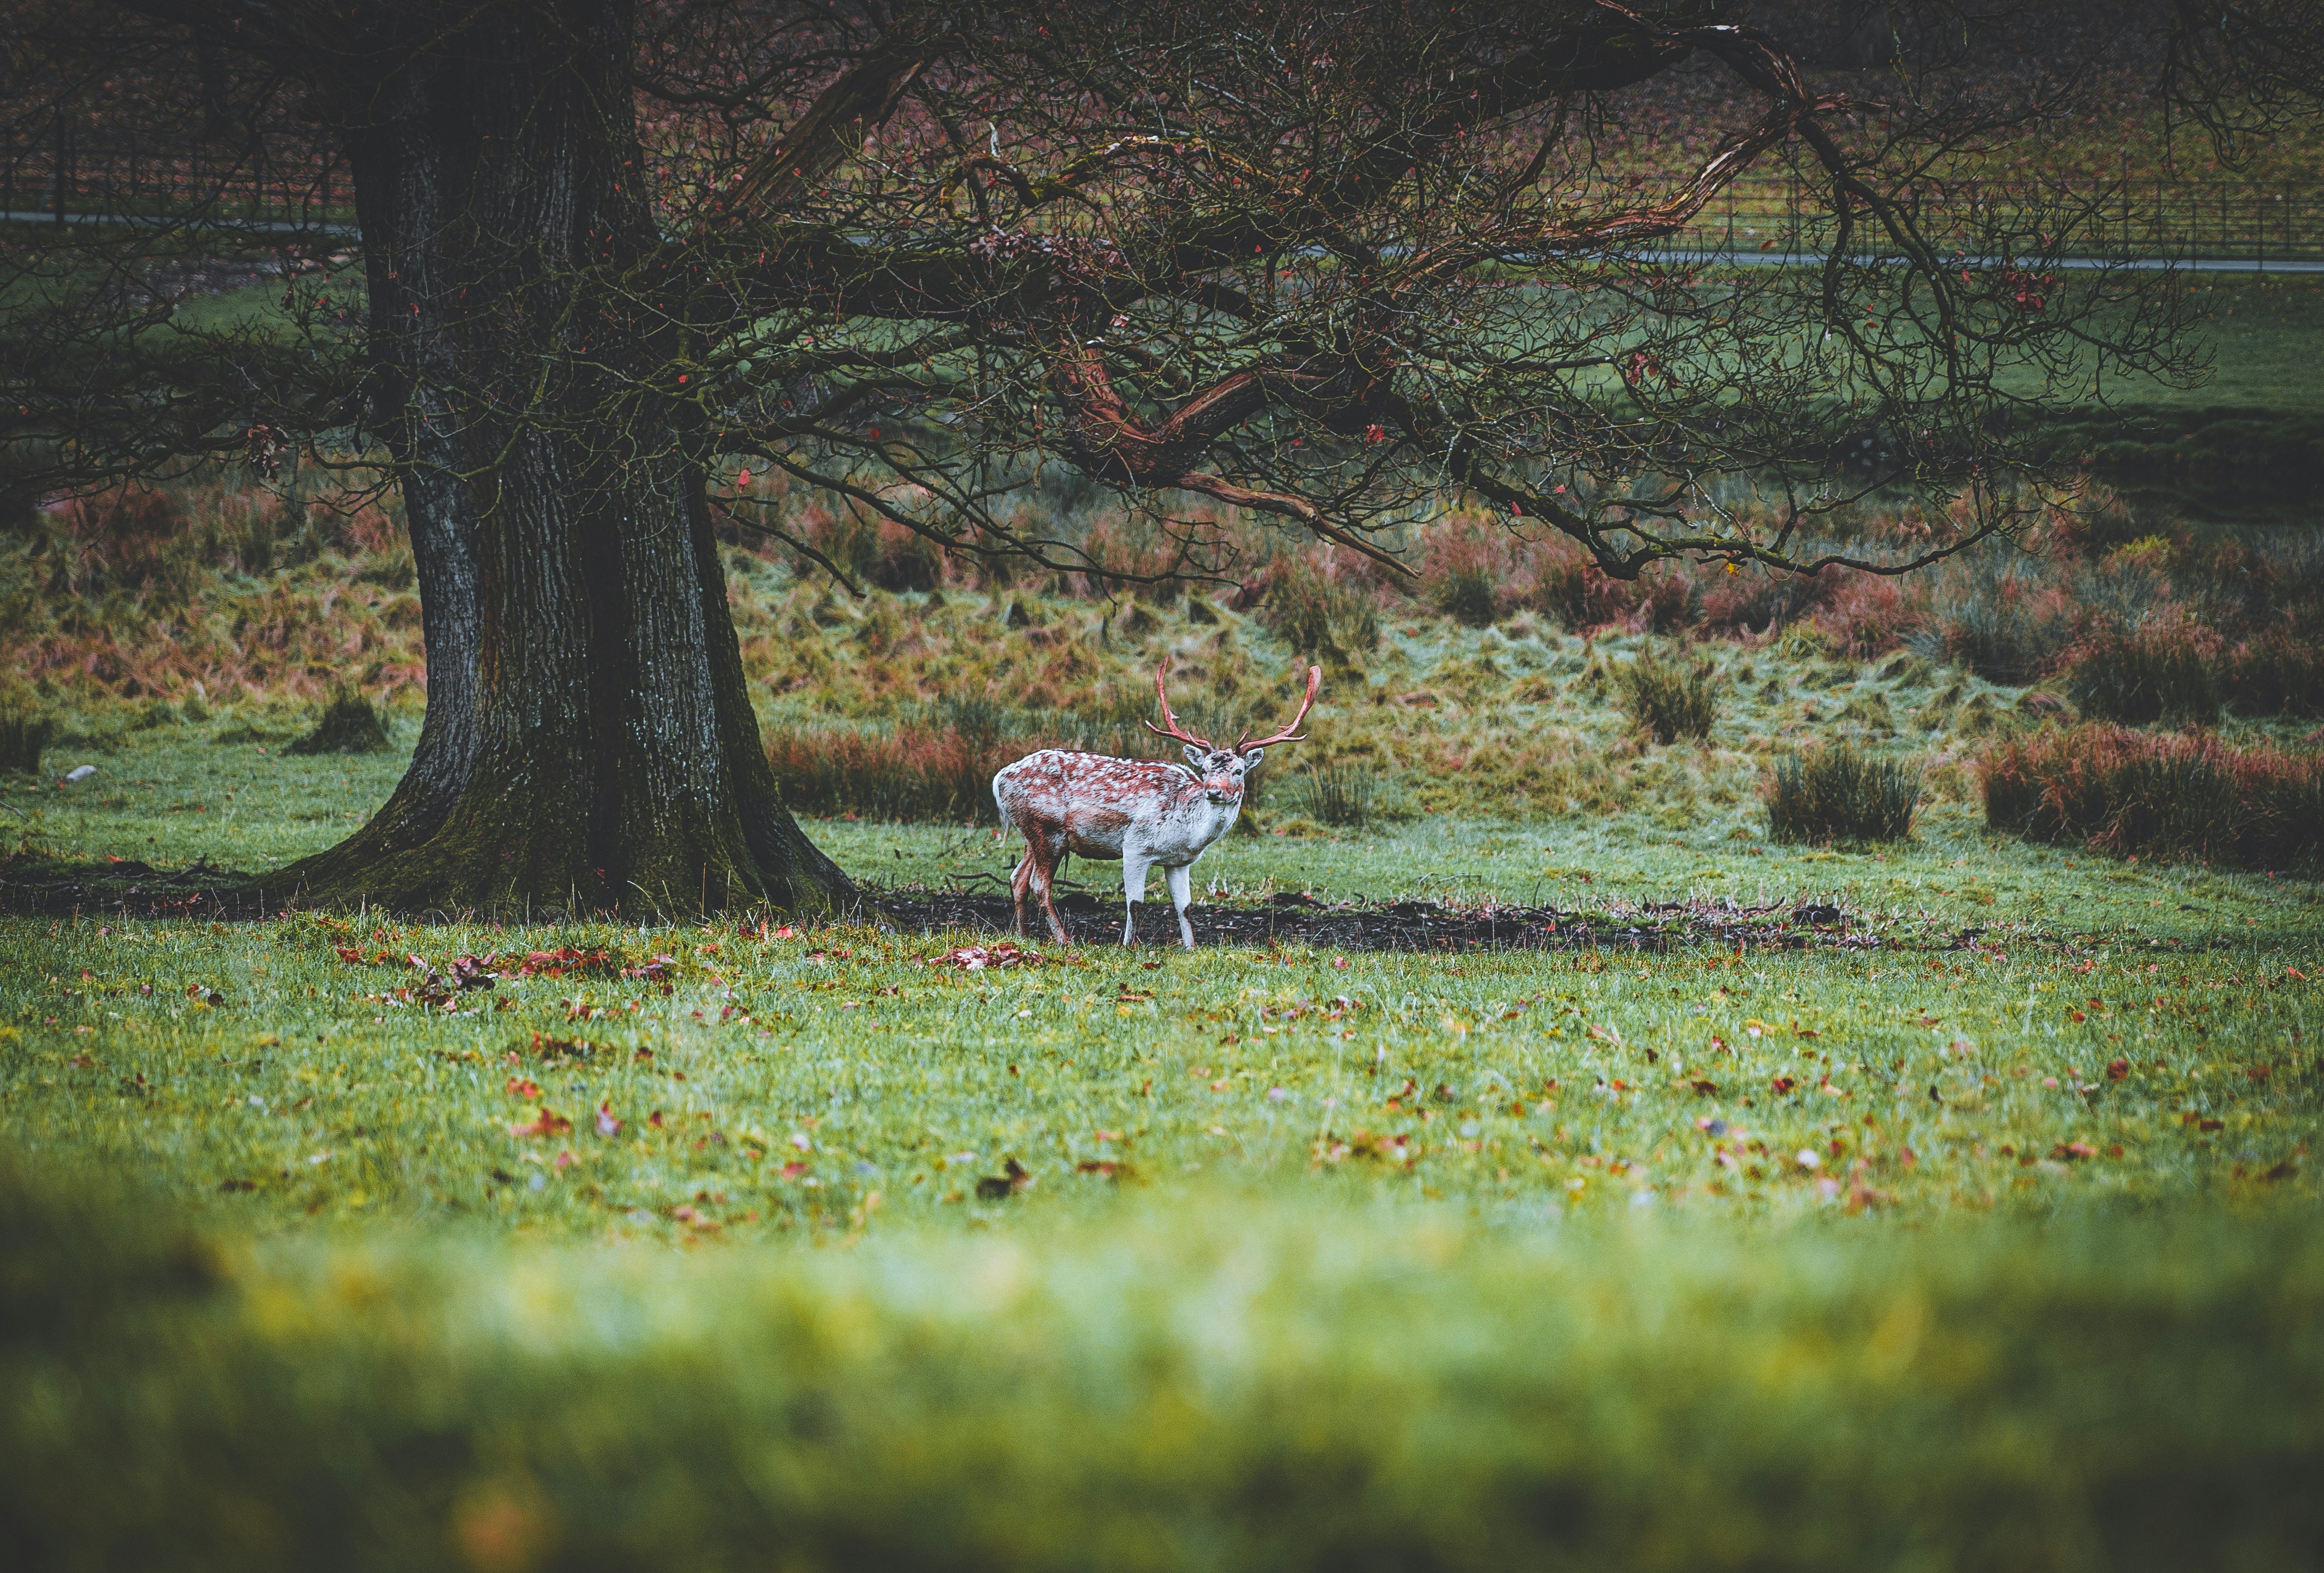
(1667, 699)
(348, 725)
(1836, 793)
(2164, 672)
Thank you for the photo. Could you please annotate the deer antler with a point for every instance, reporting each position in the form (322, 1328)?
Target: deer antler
(1289, 734)
(1171, 728)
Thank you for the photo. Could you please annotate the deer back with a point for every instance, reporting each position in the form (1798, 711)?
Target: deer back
(1099, 804)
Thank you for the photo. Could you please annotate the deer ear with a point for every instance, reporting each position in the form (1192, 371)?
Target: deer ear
(1251, 757)
(1197, 758)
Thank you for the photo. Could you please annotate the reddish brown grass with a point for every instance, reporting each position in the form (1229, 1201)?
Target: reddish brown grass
(2185, 796)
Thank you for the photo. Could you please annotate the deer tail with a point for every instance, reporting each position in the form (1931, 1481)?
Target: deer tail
(1001, 835)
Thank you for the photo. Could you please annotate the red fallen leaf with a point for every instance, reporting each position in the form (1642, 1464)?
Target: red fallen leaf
(793, 1170)
(2257, 1073)
(524, 1087)
(81, 1062)
(654, 1119)
(544, 1123)
(1781, 1085)
(607, 1124)
(553, 1050)
(2209, 1124)
(2080, 1017)
(1104, 1168)
(2118, 1069)
(655, 970)
(684, 1215)
(2283, 1171)
(567, 961)
(2070, 1151)
(348, 953)
(565, 1161)
(2295, 972)
(2114, 1151)
(977, 957)
(1706, 1086)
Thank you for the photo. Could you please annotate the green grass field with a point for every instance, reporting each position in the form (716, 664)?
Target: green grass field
(727, 1246)
(1997, 1256)
(1982, 1235)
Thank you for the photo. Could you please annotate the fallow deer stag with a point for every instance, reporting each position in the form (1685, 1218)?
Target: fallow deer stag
(1143, 812)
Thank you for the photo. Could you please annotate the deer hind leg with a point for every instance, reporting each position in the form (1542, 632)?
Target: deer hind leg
(1045, 877)
(1019, 882)
(1180, 879)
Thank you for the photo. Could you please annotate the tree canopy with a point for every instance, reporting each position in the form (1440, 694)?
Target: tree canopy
(1334, 263)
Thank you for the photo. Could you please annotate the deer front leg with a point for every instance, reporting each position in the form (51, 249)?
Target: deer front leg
(1133, 893)
(1180, 879)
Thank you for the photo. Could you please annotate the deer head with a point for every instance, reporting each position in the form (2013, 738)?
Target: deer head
(1222, 771)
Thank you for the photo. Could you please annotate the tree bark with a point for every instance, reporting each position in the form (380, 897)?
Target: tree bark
(589, 743)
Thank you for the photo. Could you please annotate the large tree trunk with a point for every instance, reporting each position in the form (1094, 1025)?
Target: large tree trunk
(589, 744)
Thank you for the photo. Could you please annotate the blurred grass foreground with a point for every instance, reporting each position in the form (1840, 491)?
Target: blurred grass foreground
(1230, 1384)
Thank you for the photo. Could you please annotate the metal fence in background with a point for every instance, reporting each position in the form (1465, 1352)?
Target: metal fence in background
(2132, 217)
(284, 185)
(275, 184)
